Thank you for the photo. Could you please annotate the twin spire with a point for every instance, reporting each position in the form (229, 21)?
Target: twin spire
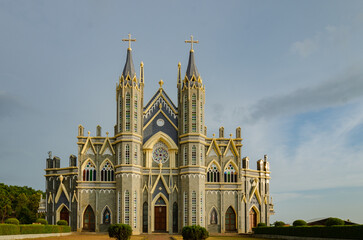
(129, 69)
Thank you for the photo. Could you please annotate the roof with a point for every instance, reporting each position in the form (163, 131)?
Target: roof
(192, 68)
(129, 68)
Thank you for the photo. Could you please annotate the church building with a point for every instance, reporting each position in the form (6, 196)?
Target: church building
(158, 171)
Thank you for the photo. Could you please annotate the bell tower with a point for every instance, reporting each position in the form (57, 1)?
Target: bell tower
(191, 99)
(128, 142)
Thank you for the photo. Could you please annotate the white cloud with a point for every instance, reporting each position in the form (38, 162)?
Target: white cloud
(306, 47)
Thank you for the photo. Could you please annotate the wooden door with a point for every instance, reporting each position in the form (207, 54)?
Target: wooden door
(160, 218)
(89, 220)
(253, 219)
(64, 214)
(230, 220)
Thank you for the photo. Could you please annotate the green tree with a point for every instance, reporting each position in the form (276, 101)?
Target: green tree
(5, 205)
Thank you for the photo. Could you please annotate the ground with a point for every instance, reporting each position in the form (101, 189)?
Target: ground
(82, 236)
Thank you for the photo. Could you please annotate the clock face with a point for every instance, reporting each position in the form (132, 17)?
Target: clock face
(160, 154)
(160, 122)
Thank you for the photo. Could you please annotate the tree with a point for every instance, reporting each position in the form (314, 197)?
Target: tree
(5, 205)
(119, 231)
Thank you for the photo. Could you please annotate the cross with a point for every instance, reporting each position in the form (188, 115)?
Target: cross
(191, 42)
(129, 40)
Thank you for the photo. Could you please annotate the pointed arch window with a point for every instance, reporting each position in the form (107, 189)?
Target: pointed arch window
(135, 113)
(107, 172)
(185, 209)
(120, 114)
(135, 155)
(201, 156)
(127, 207)
(185, 114)
(127, 154)
(213, 173)
(213, 217)
(135, 209)
(89, 172)
(194, 155)
(185, 156)
(194, 208)
(127, 111)
(194, 113)
(201, 117)
(230, 174)
(106, 218)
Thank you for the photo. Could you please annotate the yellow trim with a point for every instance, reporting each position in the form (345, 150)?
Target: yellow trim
(128, 165)
(192, 166)
(79, 187)
(219, 167)
(257, 212)
(192, 141)
(74, 196)
(59, 192)
(103, 148)
(155, 99)
(224, 183)
(85, 147)
(216, 148)
(58, 174)
(50, 199)
(169, 120)
(59, 209)
(160, 194)
(193, 134)
(103, 211)
(201, 173)
(164, 183)
(96, 181)
(127, 140)
(57, 169)
(224, 189)
(85, 162)
(119, 172)
(233, 163)
(160, 136)
(255, 192)
(125, 133)
(156, 114)
(104, 162)
(234, 152)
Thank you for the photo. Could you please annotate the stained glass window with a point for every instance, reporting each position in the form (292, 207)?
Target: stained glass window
(185, 156)
(107, 172)
(127, 207)
(89, 172)
(213, 173)
(194, 113)
(185, 113)
(135, 209)
(120, 113)
(160, 153)
(194, 208)
(230, 174)
(135, 113)
(127, 111)
(194, 155)
(127, 154)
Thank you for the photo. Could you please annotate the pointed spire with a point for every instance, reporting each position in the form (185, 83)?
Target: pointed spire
(129, 68)
(192, 68)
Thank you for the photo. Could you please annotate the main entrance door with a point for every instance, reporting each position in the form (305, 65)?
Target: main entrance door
(253, 219)
(89, 220)
(64, 214)
(230, 220)
(160, 218)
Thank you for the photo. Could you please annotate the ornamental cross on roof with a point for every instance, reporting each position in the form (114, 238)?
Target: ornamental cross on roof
(191, 42)
(129, 40)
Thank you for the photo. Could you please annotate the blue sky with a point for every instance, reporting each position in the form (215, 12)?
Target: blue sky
(288, 72)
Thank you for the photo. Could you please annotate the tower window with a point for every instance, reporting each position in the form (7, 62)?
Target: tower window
(135, 209)
(185, 209)
(185, 156)
(201, 208)
(185, 114)
(135, 113)
(127, 207)
(120, 114)
(194, 113)
(127, 111)
(127, 154)
(135, 155)
(201, 117)
(194, 155)
(201, 156)
(194, 208)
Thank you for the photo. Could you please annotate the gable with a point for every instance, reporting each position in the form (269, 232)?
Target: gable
(160, 123)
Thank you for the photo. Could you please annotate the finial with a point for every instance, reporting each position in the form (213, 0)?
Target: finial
(50, 154)
(265, 157)
(107, 134)
(213, 134)
(142, 64)
(89, 133)
(61, 178)
(191, 42)
(179, 64)
(129, 40)
(230, 134)
(161, 82)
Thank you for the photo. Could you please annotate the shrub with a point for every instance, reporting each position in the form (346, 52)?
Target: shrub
(42, 221)
(298, 223)
(334, 222)
(194, 233)
(279, 224)
(12, 221)
(31, 229)
(62, 222)
(9, 229)
(261, 224)
(119, 231)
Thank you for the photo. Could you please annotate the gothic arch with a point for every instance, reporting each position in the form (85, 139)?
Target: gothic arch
(91, 224)
(230, 219)
(231, 162)
(103, 211)
(153, 209)
(59, 209)
(85, 162)
(214, 161)
(251, 224)
(104, 162)
(213, 208)
(160, 136)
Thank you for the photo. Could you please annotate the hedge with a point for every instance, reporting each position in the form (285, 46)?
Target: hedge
(11, 229)
(12, 221)
(346, 232)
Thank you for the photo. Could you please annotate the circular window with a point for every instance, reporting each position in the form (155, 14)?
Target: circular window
(160, 122)
(160, 153)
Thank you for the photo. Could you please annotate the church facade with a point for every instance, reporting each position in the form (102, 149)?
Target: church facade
(159, 171)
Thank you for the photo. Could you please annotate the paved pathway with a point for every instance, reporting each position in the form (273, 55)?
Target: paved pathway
(164, 236)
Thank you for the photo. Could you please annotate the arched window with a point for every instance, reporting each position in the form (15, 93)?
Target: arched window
(120, 114)
(194, 113)
(201, 117)
(127, 207)
(213, 173)
(135, 113)
(185, 156)
(89, 172)
(194, 208)
(127, 111)
(194, 155)
(201, 156)
(107, 172)
(127, 154)
(185, 114)
(106, 216)
(213, 216)
(185, 209)
(135, 154)
(135, 209)
(119, 154)
(230, 174)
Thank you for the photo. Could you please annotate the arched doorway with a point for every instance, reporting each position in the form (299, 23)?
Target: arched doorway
(253, 219)
(160, 215)
(89, 220)
(64, 214)
(230, 220)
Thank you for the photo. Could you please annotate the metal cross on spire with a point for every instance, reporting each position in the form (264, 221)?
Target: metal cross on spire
(129, 40)
(191, 41)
